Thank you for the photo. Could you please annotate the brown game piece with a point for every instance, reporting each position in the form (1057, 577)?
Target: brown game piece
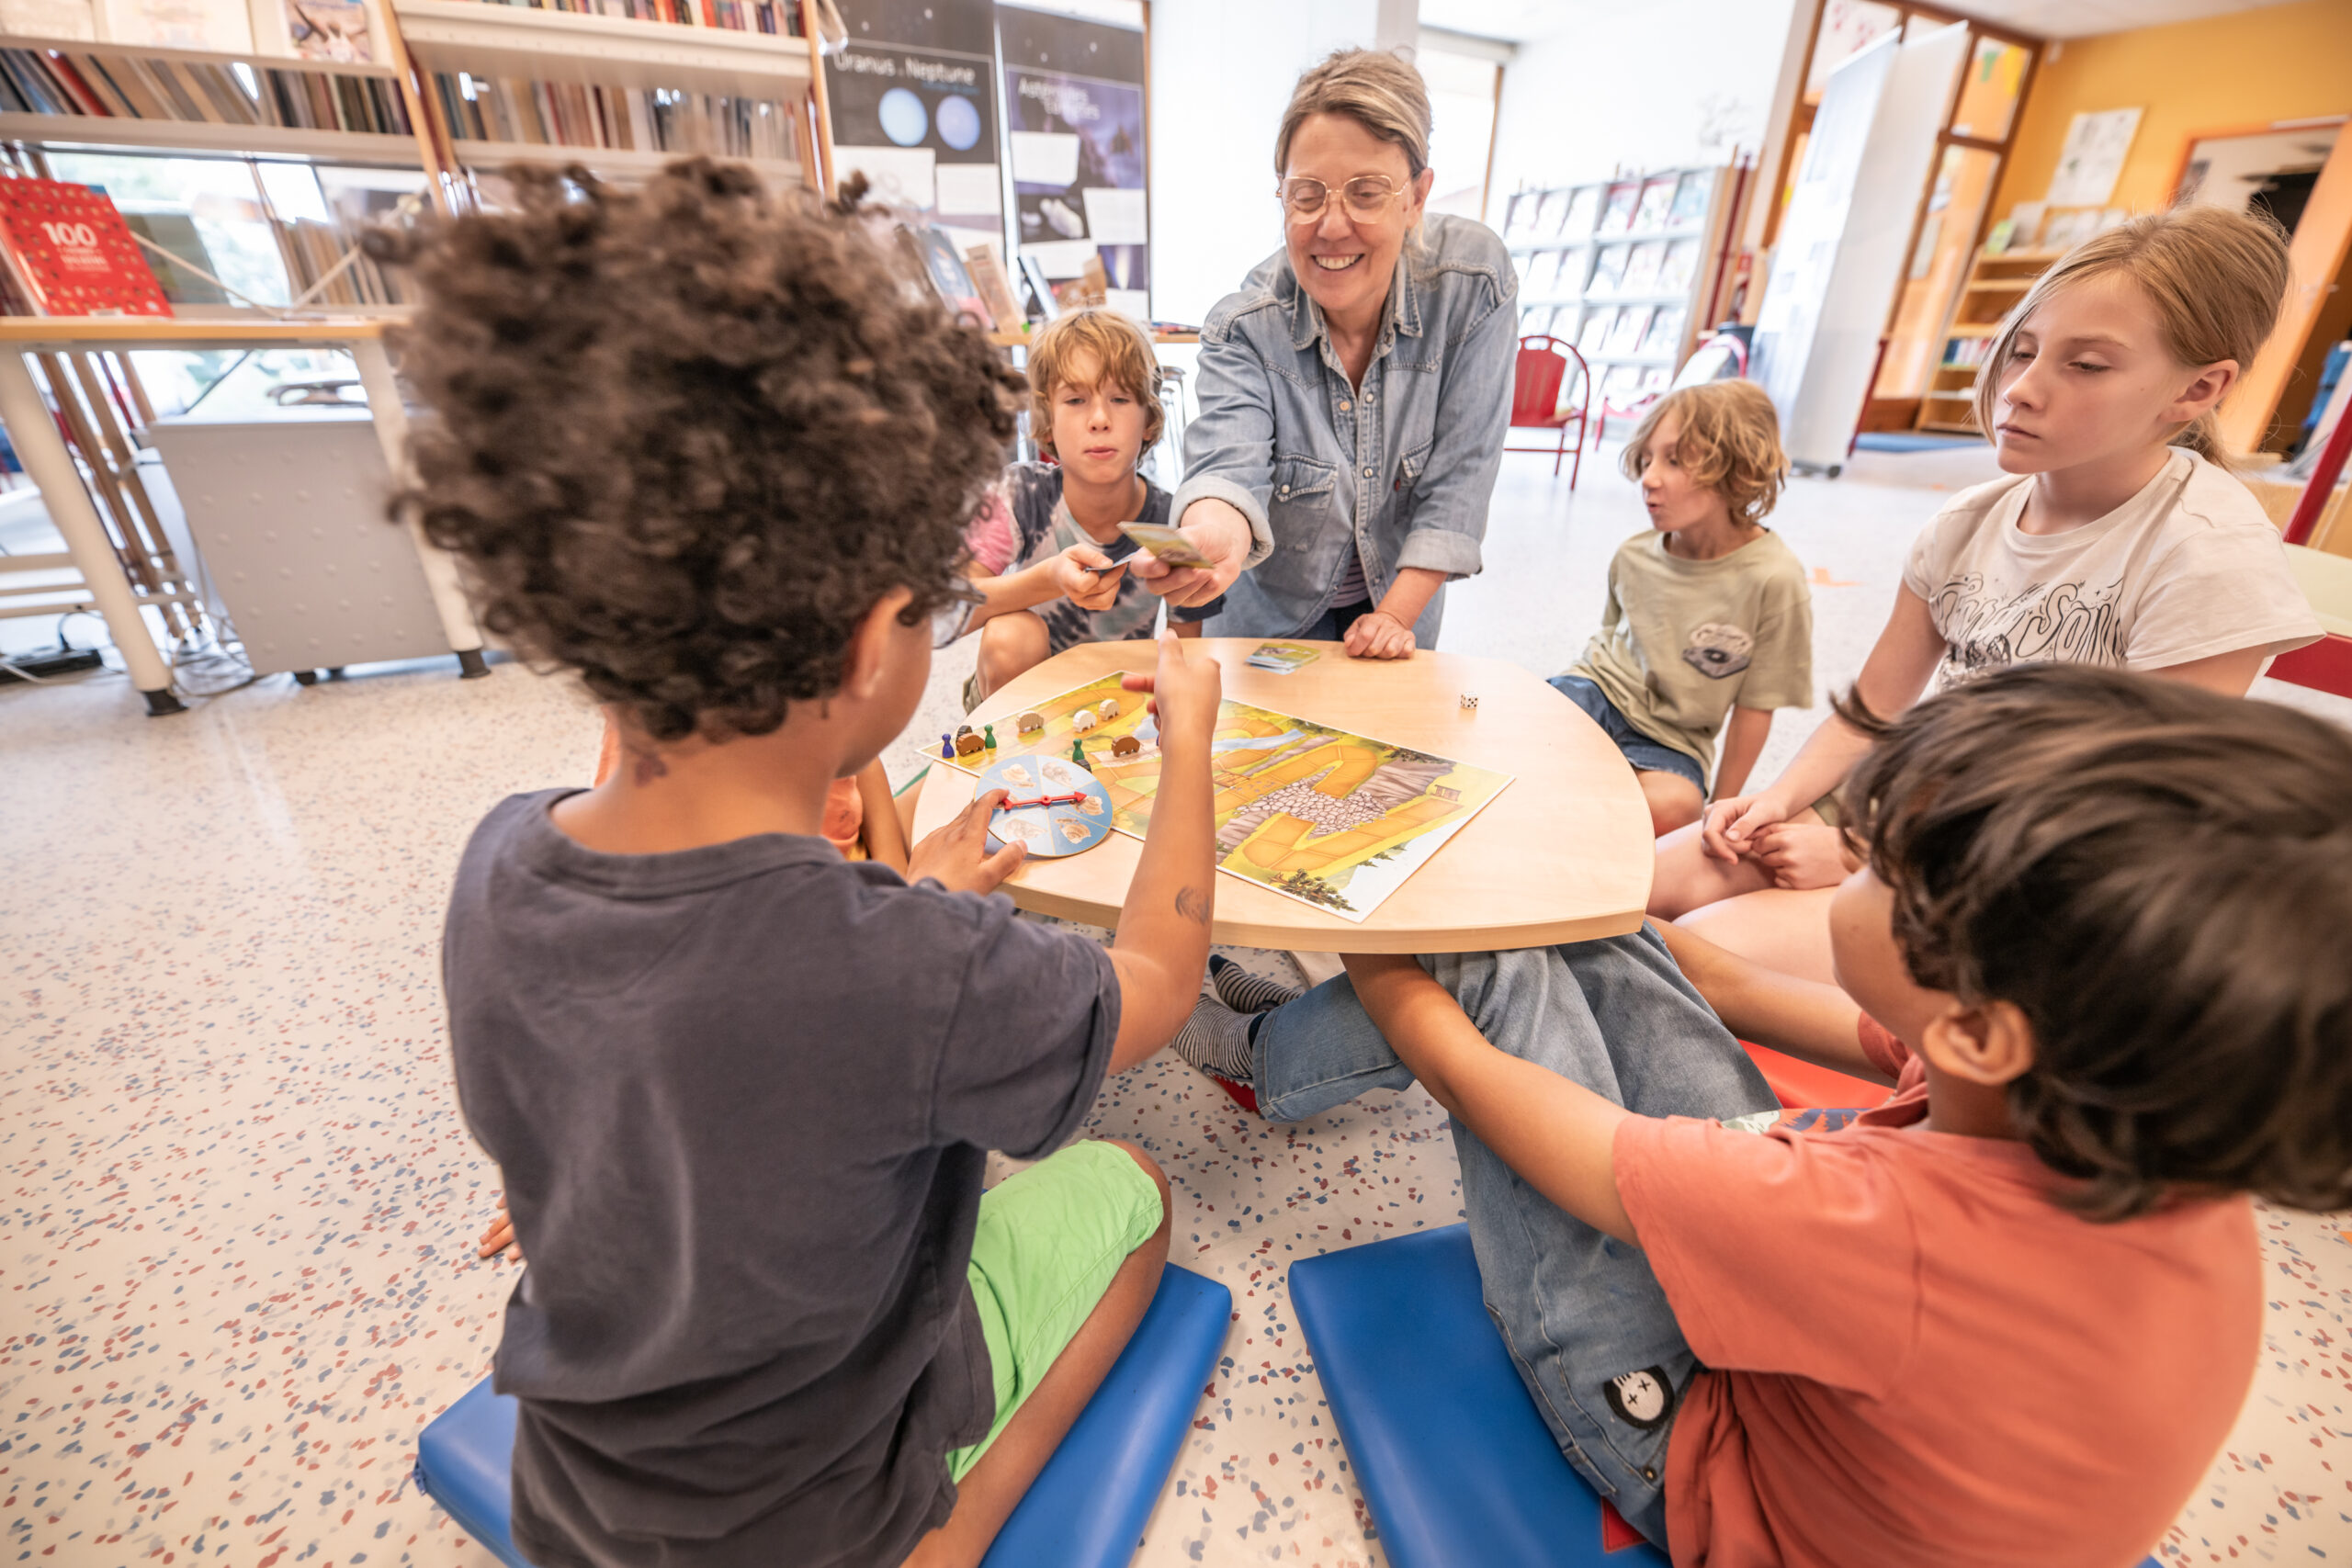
(1126, 746)
(1108, 709)
(966, 744)
(1030, 723)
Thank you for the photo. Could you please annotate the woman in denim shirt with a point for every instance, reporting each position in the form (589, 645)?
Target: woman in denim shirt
(1355, 391)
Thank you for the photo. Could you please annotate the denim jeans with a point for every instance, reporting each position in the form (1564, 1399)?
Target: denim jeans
(1586, 1324)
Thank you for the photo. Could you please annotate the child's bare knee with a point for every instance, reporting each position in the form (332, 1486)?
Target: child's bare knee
(1152, 1169)
(1010, 646)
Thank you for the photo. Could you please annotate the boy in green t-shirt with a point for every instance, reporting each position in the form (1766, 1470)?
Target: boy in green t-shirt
(1708, 613)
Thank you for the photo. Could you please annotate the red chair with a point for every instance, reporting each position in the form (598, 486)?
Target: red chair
(1544, 368)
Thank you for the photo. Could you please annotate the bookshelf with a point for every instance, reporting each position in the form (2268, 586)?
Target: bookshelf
(493, 39)
(1626, 269)
(1995, 283)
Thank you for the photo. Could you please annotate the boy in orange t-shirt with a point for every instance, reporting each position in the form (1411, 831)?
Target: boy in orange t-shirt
(2010, 1314)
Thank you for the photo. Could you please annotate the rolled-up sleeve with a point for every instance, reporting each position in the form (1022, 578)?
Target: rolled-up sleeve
(1229, 447)
(1448, 526)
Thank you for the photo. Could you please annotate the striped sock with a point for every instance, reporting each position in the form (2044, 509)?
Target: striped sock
(1215, 1039)
(1244, 992)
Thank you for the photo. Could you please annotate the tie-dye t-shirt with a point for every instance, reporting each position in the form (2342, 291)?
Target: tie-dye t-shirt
(1026, 521)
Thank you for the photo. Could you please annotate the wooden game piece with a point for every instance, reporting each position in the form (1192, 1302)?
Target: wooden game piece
(1078, 755)
(968, 744)
(1030, 723)
(946, 744)
(1126, 746)
(1083, 720)
(962, 730)
(1108, 709)
(987, 737)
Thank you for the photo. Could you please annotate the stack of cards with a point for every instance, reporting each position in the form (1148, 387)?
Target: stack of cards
(1282, 657)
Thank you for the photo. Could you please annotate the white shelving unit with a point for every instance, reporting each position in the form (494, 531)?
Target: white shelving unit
(1573, 245)
(493, 39)
(610, 162)
(68, 131)
(199, 56)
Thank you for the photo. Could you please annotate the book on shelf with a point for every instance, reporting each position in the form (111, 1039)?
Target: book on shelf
(1617, 217)
(68, 252)
(1609, 271)
(1622, 381)
(1519, 217)
(1534, 319)
(1584, 206)
(47, 18)
(779, 16)
(1625, 332)
(570, 114)
(1690, 198)
(1657, 208)
(1548, 216)
(1682, 266)
(1665, 333)
(1657, 379)
(1595, 332)
(339, 30)
(1545, 274)
(1641, 269)
(223, 25)
(103, 84)
(995, 288)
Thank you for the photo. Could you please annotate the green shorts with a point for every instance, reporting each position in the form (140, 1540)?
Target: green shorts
(1050, 1238)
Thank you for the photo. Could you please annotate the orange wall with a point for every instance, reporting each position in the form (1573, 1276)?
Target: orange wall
(2241, 69)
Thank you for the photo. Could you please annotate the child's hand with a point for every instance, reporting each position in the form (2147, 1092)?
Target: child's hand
(1185, 692)
(1801, 855)
(1726, 830)
(500, 1237)
(1087, 589)
(956, 856)
(1379, 634)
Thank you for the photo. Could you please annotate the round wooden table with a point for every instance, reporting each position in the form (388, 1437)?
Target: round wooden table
(1562, 854)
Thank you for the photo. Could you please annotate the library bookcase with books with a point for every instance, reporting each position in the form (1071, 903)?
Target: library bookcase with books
(338, 108)
(1625, 268)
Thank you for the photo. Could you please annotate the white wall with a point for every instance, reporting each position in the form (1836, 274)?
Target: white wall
(1221, 74)
(1648, 85)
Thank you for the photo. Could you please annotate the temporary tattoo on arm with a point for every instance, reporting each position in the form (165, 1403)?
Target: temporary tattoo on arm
(1194, 905)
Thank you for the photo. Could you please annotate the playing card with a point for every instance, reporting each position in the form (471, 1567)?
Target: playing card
(1166, 545)
(1282, 657)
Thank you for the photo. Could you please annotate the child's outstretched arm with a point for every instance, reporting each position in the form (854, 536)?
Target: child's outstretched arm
(1803, 1018)
(1554, 1133)
(1163, 941)
(1081, 574)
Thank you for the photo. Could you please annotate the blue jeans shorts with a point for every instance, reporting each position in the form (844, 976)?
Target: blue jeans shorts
(1646, 755)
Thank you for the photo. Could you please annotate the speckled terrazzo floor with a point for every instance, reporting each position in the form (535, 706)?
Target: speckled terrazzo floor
(236, 1266)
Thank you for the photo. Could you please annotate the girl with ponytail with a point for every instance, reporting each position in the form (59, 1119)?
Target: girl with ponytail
(2116, 535)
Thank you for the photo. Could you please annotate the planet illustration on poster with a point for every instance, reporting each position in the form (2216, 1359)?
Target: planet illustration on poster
(904, 119)
(959, 123)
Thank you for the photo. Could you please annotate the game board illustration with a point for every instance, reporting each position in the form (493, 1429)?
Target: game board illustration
(1325, 817)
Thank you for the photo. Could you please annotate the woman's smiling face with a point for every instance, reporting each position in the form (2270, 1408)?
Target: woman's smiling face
(1346, 262)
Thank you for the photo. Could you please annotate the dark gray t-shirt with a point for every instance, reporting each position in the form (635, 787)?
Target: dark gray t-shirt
(740, 1098)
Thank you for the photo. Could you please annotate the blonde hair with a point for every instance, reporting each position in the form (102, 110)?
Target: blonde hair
(1123, 356)
(2216, 278)
(1730, 442)
(1379, 91)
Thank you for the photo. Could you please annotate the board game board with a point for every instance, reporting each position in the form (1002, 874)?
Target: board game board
(1325, 817)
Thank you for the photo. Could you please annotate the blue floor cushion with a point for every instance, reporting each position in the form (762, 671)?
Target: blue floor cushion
(1454, 1462)
(1087, 1508)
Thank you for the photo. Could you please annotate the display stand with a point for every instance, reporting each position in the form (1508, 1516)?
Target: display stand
(34, 434)
(1627, 269)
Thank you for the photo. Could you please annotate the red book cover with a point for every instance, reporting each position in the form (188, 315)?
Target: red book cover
(73, 249)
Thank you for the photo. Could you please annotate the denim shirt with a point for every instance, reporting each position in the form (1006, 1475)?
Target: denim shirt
(1400, 470)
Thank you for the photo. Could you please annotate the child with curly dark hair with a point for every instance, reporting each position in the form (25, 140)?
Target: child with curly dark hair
(2010, 1314)
(710, 452)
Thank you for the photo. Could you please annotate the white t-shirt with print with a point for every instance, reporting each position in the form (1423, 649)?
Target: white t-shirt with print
(2187, 568)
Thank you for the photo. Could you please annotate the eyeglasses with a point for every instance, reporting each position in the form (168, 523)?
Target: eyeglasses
(1366, 197)
(953, 619)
